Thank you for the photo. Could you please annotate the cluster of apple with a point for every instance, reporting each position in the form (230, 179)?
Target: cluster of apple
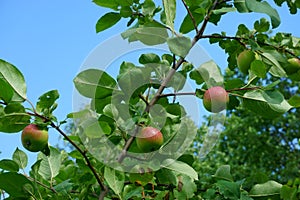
(148, 139)
(35, 139)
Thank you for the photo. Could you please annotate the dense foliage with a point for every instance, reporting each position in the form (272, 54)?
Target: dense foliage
(255, 157)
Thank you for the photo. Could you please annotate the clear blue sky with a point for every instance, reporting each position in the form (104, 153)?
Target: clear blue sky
(49, 40)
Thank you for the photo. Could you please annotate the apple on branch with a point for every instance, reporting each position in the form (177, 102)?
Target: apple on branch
(34, 139)
(149, 139)
(215, 99)
(244, 60)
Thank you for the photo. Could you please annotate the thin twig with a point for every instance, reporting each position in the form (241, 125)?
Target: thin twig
(143, 99)
(178, 94)
(191, 16)
(239, 39)
(41, 184)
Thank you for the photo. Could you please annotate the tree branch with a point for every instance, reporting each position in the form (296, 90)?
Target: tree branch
(166, 81)
(239, 39)
(178, 94)
(104, 188)
(41, 184)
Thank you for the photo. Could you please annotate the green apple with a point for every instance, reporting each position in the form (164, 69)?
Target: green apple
(149, 139)
(244, 60)
(33, 138)
(293, 66)
(215, 99)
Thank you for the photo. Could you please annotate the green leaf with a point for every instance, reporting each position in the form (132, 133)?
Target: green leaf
(187, 24)
(16, 185)
(99, 104)
(130, 78)
(149, 58)
(113, 4)
(177, 81)
(179, 46)
(186, 188)
(14, 118)
(241, 6)
(50, 165)
(264, 7)
(92, 128)
(276, 69)
(262, 25)
(180, 167)
(208, 72)
(170, 12)
(141, 176)
(288, 193)
(148, 7)
(21, 158)
(9, 165)
(7, 92)
(295, 101)
(258, 68)
(268, 189)
(223, 172)
(47, 100)
(269, 104)
(229, 189)
(151, 33)
(115, 180)
(224, 10)
(64, 187)
(15, 79)
(94, 83)
(125, 11)
(107, 21)
(166, 176)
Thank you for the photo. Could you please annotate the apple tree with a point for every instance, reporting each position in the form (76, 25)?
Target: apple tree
(133, 137)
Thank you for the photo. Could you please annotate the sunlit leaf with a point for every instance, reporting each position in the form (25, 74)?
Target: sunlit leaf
(180, 167)
(21, 158)
(264, 7)
(179, 46)
(15, 79)
(50, 165)
(170, 12)
(269, 104)
(268, 189)
(115, 179)
(94, 83)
